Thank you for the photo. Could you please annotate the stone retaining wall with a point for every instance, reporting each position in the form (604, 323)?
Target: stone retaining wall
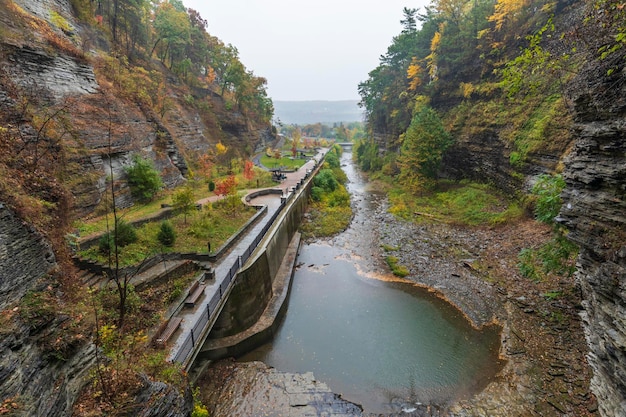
(252, 289)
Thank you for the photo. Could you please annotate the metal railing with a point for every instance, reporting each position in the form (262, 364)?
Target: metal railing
(193, 338)
(188, 345)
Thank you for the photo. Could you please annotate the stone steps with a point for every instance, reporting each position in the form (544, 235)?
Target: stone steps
(89, 279)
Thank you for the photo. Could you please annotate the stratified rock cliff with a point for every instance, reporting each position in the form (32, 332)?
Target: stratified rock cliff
(595, 213)
(25, 257)
(39, 369)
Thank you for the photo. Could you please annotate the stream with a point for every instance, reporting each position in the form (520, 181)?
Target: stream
(377, 340)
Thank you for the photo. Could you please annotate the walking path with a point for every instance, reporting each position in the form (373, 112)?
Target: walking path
(196, 321)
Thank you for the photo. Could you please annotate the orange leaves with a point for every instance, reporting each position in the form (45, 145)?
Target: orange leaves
(210, 76)
(248, 170)
(206, 165)
(227, 186)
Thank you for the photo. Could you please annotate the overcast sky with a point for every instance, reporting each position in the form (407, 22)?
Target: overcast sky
(307, 50)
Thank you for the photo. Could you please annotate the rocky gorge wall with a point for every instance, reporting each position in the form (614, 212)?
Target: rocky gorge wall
(31, 372)
(595, 214)
(106, 127)
(594, 208)
(44, 361)
(25, 257)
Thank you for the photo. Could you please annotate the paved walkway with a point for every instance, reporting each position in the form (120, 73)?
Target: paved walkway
(193, 315)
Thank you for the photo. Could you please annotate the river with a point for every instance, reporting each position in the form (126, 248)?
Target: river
(379, 341)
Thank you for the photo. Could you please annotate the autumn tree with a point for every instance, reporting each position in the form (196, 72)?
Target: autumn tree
(227, 186)
(206, 163)
(248, 170)
(384, 95)
(221, 151)
(296, 136)
(506, 12)
(414, 74)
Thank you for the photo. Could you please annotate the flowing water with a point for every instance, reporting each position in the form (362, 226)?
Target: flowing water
(378, 342)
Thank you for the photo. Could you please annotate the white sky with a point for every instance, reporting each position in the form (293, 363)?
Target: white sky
(307, 50)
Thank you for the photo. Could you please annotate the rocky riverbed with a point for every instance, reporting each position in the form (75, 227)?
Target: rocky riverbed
(475, 269)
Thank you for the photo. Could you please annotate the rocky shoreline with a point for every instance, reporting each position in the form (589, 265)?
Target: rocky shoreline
(475, 269)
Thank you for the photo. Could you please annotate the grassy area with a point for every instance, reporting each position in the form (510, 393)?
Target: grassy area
(464, 203)
(325, 220)
(98, 224)
(397, 269)
(285, 162)
(216, 224)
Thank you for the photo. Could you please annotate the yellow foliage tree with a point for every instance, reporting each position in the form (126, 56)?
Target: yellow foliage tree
(506, 10)
(414, 74)
(432, 58)
(220, 148)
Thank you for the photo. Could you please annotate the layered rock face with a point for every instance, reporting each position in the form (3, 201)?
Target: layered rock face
(24, 257)
(480, 156)
(28, 369)
(107, 130)
(595, 213)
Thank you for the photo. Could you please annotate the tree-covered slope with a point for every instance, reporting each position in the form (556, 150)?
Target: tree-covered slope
(529, 91)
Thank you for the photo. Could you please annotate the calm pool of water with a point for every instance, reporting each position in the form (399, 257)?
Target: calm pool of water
(377, 343)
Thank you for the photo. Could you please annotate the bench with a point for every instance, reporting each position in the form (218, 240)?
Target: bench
(166, 330)
(195, 292)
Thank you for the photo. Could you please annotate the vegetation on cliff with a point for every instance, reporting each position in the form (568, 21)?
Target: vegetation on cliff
(485, 69)
(491, 77)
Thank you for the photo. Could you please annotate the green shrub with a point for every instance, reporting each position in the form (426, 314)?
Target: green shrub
(105, 243)
(211, 186)
(123, 236)
(167, 235)
(125, 233)
(527, 263)
(548, 190)
(332, 159)
(555, 256)
(143, 179)
(317, 193)
(326, 180)
(339, 198)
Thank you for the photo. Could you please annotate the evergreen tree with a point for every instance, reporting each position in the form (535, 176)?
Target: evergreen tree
(423, 146)
(143, 179)
(167, 235)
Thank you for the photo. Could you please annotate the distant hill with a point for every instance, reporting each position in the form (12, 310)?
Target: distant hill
(310, 112)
